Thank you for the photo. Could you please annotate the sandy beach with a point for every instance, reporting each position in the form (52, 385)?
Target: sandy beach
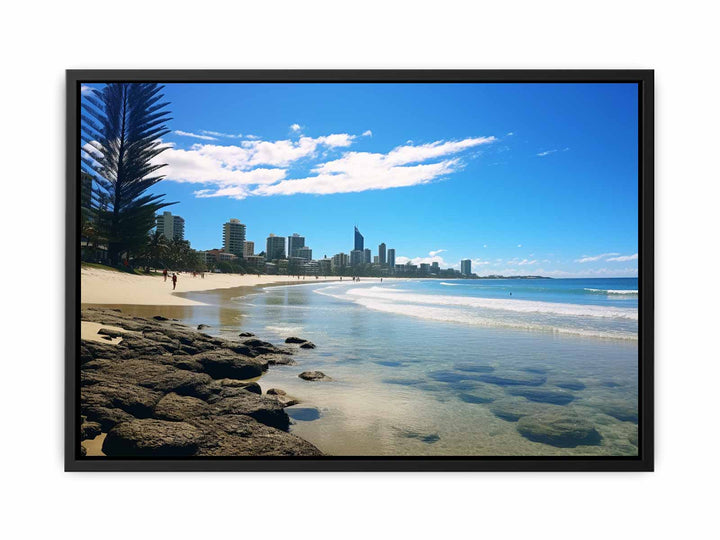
(99, 286)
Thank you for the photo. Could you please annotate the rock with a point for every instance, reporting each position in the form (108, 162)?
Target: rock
(277, 359)
(424, 436)
(150, 437)
(201, 326)
(404, 381)
(160, 318)
(265, 410)
(90, 430)
(111, 393)
(176, 408)
(388, 363)
(543, 395)
(246, 334)
(472, 367)
(107, 417)
(276, 392)
(314, 376)
(511, 410)
(448, 376)
(238, 435)
(569, 384)
(287, 401)
(111, 333)
(561, 430)
(224, 363)
(293, 339)
(307, 345)
(513, 378)
(625, 411)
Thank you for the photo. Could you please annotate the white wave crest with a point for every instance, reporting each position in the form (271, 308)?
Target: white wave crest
(517, 306)
(612, 291)
(449, 284)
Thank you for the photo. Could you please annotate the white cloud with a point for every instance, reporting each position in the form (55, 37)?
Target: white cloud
(593, 258)
(484, 245)
(624, 258)
(194, 135)
(220, 134)
(527, 262)
(545, 153)
(367, 133)
(433, 253)
(252, 137)
(362, 171)
(519, 245)
(296, 127)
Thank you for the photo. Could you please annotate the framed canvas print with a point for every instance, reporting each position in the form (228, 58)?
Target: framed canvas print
(359, 270)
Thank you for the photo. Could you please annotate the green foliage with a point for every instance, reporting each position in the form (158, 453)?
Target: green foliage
(121, 129)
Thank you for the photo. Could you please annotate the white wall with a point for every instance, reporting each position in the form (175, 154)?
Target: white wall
(678, 40)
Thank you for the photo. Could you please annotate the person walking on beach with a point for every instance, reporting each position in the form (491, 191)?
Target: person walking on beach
(174, 280)
(164, 274)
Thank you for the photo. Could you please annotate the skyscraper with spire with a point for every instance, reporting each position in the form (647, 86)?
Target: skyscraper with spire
(359, 241)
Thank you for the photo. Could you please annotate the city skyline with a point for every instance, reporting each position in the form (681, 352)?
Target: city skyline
(520, 179)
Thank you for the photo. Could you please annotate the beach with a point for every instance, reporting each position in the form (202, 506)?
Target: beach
(100, 286)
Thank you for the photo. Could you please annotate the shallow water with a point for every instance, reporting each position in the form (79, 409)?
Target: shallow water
(410, 381)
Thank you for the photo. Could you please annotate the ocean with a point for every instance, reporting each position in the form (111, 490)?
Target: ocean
(453, 367)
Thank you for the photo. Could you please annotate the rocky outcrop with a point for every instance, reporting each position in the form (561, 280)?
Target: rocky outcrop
(166, 390)
(297, 340)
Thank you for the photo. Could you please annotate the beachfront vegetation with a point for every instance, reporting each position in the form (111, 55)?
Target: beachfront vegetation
(122, 125)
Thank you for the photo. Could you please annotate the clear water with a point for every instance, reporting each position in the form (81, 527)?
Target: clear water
(398, 354)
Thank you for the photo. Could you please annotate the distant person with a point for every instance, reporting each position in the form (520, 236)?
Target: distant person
(340, 278)
(174, 280)
(380, 280)
(165, 275)
(202, 275)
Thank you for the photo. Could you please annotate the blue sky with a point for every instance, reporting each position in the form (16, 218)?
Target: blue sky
(520, 178)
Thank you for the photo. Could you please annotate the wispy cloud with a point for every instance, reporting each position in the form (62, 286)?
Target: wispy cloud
(361, 171)
(593, 258)
(367, 133)
(194, 135)
(296, 127)
(222, 135)
(548, 152)
(623, 258)
(433, 253)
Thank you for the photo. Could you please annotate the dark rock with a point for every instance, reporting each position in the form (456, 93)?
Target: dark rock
(314, 376)
(238, 435)
(201, 326)
(307, 345)
(110, 393)
(224, 363)
(83, 450)
(543, 395)
(276, 392)
(111, 333)
(472, 367)
(90, 430)
(569, 384)
(293, 339)
(150, 437)
(511, 411)
(277, 359)
(625, 411)
(106, 417)
(265, 410)
(561, 430)
(246, 334)
(176, 408)
(160, 318)
(513, 378)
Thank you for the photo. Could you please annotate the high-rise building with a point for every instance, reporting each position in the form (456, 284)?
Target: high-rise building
(359, 240)
(435, 267)
(465, 267)
(391, 258)
(339, 260)
(424, 268)
(275, 247)
(367, 256)
(381, 253)
(248, 249)
(295, 242)
(234, 237)
(357, 257)
(171, 227)
(304, 252)
(376, 259)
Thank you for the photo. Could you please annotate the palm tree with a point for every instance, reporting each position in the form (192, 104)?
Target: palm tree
(122, 125)
(156, 250)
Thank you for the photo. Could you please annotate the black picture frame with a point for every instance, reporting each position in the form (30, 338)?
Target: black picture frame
(645, 459)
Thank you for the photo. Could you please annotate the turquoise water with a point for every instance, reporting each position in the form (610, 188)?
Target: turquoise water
(431, 367)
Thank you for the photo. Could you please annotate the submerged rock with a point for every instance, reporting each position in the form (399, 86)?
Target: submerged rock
(293, 339)
(569, 384)
(307, 345)
(625, 411)
(512, 410)
(513, 378)
(314, 376)
(304, 414)
(543, 395)
(561, 430)
(246, 334)
(472, 367)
